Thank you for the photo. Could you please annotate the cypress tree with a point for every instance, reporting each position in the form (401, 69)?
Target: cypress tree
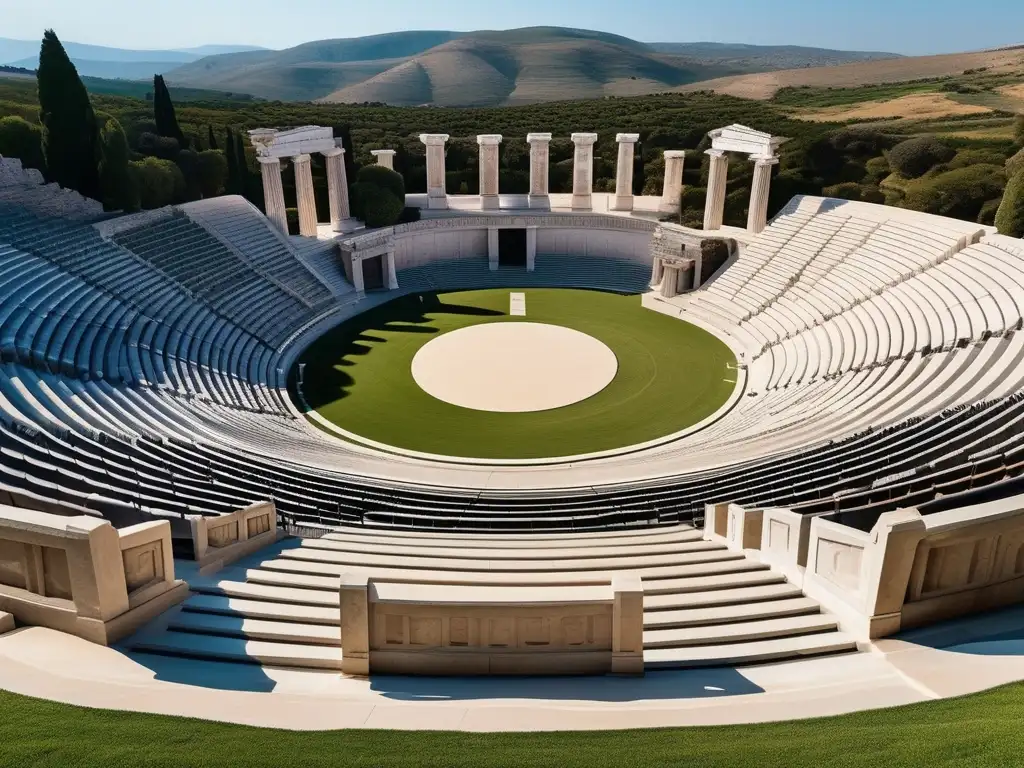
(211, 140)
(120, 192)
(1010, 216)
(71, 146)
(232, 184)
(244, 184)
(164, 114)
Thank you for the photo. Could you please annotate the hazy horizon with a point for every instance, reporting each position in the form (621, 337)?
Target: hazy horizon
(912, 27)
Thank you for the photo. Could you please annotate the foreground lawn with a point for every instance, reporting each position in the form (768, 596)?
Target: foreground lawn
(980, 730)
(670, 375)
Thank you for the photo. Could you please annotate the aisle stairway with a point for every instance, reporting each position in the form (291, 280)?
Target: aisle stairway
(704, 605)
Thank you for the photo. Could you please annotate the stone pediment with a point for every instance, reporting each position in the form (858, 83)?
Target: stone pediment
(740, 138)
(294, 141)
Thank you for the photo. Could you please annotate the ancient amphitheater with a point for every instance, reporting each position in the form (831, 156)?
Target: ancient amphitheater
(167, 500)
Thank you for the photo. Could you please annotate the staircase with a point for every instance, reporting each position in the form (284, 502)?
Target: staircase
(704, 605)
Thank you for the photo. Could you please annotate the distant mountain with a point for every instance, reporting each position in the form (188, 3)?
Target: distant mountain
(515, 66)
(101, 61)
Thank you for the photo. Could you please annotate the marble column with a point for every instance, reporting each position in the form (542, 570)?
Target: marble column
(389, 259)
(385, 157)
(540, 154)
(357, 275)
(305, 196)
(273, 192)
(624, 171)
(673, 186)
(698, 266)
(492, 248)
(436, 194)
(657, 272)
(489, 144)
(583, 171)
(670, 281)
(337, 190)
(714, 207)
(757, 214)
(531, 248)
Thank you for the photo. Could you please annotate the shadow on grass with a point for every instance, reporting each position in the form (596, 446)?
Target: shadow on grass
(326, 383)
(662, 685)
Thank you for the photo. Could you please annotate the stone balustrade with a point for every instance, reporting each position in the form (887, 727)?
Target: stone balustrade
(908, 570)
(82, 576)
(421, 629)
(219, 541)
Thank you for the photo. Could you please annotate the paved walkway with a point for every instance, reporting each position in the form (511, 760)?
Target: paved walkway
(952, 659)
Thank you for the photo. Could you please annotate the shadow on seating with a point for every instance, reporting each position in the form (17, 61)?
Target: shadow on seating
(995, 633)
(681, 684)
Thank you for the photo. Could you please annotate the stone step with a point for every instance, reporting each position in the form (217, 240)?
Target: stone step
(721, 597)
(270, 594)
(717, 634)
(696, 617)
(239, 650)
(735, 654)
(258, 609)
(256, 629)
(706, 583)
(705, 551)
(454, 539)
(485, 553)
(726, 562)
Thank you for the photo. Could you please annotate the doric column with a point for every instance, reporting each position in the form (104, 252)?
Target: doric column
(714, 207)
(305, 196)
(757, 215)
(540, 152)
(357, 275)
(624, 172)
(273, 192)
(489, 144)
(437, 196)
(673, 186)
(657, 272)
(337, 190)
(583, 171)
(531, 248)
(492, 248)
(385, 157)
(698, 266)
(392, 272)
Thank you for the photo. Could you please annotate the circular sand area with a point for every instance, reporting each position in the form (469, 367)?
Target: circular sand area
(514, 367)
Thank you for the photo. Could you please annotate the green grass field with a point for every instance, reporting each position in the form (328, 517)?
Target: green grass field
(979, 730)
(670, 375)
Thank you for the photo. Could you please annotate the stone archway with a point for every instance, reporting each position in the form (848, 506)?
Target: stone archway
(761, 148)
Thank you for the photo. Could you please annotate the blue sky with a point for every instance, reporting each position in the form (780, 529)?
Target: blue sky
(902, 26)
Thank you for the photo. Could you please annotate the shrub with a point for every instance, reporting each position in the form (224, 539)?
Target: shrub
(1010, 216)
(1015, 164)
(968, 157)
(117, 183)
(959, 193)
(163, 147)
(292, 217)
(876, 169)
(213, 172)
(915, 157)
(379, 196)
(988, 213)
(24, 140)
(157, 181)
(847, 190)
(409, 215)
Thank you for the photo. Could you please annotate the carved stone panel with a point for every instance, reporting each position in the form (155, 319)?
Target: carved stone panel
(14, 564)
(56, 579)
(222, 535)
(143, 565)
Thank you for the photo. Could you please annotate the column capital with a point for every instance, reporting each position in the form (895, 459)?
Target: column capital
(584, 139)
(489, 139)
(385, 152)
(675, 154)
(538, 137)
(630, 138)
(715, 152)
(263, 160)
(434, 139)
(299, 159)
(333, 152)
(764, 160)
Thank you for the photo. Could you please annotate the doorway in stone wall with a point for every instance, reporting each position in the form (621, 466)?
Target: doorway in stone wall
(373, 273)
(512, 247)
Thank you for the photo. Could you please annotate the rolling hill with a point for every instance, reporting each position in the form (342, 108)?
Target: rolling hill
(764, 85)
(485, 68)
